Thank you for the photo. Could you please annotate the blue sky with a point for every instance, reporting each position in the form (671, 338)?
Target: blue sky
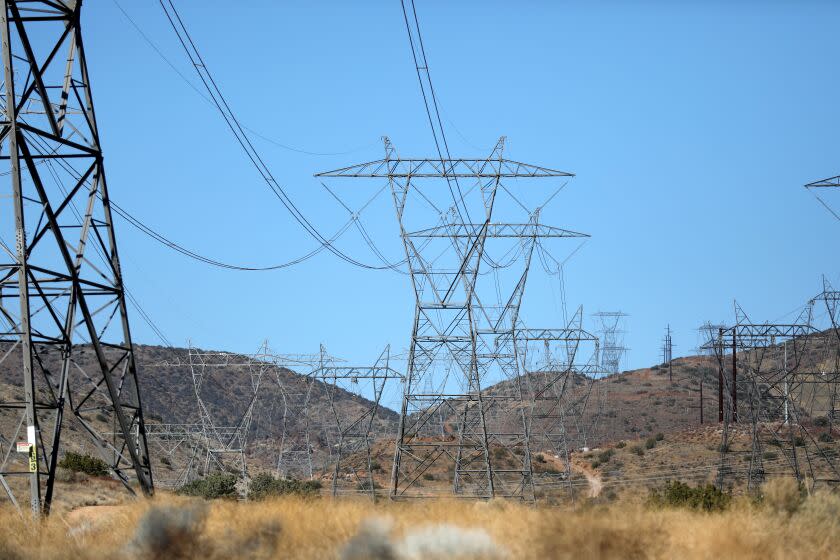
(691, 127)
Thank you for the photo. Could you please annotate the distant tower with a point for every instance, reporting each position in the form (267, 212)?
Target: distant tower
(60, 281)
(612, 340)
(667, 347)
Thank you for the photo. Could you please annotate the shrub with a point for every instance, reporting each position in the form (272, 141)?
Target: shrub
(821, 421)
(595, 464)
(799, 441)
(540, 458)
(364, 486)
(637, 450)
(660, 436)
(679, 494)
(606, 455)
(621, 444)
(215, 485)
(650, 443)
(428, 476)
(265, 486)
(825, 438)
(769, 455)
(78, 462)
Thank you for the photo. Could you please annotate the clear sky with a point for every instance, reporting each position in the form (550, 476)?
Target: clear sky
(691, 126)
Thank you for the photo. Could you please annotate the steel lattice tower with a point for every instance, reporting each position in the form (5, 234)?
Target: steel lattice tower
(225, 445)
(553, 362)
(486, 437)
(775, 382)
(353, 433)
(60, 279)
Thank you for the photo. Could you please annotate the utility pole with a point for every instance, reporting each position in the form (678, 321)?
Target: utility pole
(734, 375)
(62, 285)
(719, 345)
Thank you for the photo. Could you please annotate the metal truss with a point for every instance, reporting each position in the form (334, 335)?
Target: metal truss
(463, 362)
(817, 187)
(554, 362)
(354, 434)
(830, 182)
(294, 457)
(178, 450)
(225, 446)
(60, 281)
(612, 340)
(775, 379)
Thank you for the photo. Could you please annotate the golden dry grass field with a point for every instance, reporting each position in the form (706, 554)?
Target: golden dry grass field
(782, 525)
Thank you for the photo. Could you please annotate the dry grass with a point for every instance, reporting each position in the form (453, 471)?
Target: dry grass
(170, 527)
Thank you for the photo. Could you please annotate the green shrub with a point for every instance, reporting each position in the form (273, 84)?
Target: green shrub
(365, 486)
(637, 449)
(799, 441)
(540, 458)
(265, 486)
(660, 436)
(678, 494)
(605, 456)
(595, 464)
(211, 487)
(650, 443)
(428, 476)
(821, 421)
(78, 462)
(769, 455)
(825, 438)
(621, 444)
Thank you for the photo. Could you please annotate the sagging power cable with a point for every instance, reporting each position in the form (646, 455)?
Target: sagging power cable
(221, 104)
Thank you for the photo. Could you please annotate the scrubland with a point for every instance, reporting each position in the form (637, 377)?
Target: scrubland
(783, 523)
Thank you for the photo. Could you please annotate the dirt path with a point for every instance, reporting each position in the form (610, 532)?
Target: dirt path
(592, 478)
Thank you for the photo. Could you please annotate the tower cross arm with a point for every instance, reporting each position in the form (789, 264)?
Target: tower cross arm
(445, 168)
(825, 183)
(496, 231)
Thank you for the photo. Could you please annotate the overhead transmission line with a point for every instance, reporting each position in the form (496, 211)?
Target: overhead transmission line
(421, 65)
(159, 52)
(242, 139)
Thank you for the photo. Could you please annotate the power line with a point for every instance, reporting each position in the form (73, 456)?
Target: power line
(421, 69)
(192, 86)
(236, 128)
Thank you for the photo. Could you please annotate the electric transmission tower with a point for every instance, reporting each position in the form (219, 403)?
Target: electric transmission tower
(60, 281)
(560, 367)
(667, 348)
(457, 321)
(225, 445)
(353, 433)
(612, 340)
(774, 379)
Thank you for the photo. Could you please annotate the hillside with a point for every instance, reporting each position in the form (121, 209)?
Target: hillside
(169, 398)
